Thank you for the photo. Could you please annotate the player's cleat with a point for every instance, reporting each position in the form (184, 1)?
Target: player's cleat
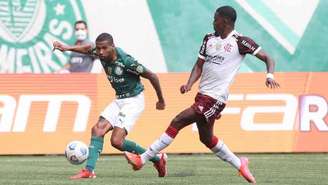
(134, 160)
(84, 174)
(244, 171)
(161, 165)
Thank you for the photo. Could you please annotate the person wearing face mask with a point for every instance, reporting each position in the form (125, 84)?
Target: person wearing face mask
(80, 62)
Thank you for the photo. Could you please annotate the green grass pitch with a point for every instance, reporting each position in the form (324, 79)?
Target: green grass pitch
(201, 169)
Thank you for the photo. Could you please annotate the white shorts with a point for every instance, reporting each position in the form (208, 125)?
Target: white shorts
(123, 113)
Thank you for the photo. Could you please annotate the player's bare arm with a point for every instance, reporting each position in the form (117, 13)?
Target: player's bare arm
(85, 49)
(270, 81)
(152, 77)
(194, 76)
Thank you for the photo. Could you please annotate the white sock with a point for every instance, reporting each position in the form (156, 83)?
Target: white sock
(223, 152)
(163, 141)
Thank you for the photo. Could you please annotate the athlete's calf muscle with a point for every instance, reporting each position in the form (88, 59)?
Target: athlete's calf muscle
(101, 127)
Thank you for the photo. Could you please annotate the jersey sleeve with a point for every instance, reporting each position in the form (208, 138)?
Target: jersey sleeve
(133, 66)
(247, 45)
(202, 50)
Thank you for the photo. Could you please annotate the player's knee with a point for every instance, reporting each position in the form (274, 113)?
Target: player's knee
(96, 131)
(117, 143)
(177, 123)
(206, 141)
(209, 142)
(175, 120)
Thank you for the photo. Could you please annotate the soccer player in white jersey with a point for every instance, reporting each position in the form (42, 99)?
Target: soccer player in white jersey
(219, 59)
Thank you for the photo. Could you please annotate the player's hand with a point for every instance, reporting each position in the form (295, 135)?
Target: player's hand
(160, 105)
(184, 89)
(61, 47)
(271, 83)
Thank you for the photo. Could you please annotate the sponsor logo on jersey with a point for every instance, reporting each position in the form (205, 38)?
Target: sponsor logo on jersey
(248, 45)
(218, 59)
(118, 70)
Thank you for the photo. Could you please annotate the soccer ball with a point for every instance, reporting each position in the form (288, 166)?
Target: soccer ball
(76, 152)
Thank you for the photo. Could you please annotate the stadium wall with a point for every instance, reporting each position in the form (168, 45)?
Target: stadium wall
(39, 115)
(164, 35)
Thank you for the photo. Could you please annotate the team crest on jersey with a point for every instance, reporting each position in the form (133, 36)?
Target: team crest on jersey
(140, 69)
(27, 30)
(228, 47)
(118, 70)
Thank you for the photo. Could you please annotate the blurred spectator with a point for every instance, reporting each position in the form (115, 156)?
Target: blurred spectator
(79, 62)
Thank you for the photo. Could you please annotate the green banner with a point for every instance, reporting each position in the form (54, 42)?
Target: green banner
(27, 30)
(182, 24)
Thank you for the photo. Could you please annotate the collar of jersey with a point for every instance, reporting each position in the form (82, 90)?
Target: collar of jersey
(230, 34)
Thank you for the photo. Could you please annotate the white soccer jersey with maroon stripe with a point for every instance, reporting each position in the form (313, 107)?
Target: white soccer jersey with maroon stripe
(222, 62)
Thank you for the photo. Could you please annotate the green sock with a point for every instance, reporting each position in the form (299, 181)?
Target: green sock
(133, 147)
(95, 148)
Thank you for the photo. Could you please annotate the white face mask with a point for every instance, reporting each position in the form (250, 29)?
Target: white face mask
(81, 35)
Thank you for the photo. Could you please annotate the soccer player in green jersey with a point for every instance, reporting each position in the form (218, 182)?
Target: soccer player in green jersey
(123, 72)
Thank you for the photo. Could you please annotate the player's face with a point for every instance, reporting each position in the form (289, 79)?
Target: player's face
(105, 50)
(218, 24)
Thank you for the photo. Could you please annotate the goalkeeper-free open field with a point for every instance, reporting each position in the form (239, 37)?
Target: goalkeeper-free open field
(282, 169)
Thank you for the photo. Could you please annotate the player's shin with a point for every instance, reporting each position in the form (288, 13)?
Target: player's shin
(223, 152)
(133, 147)
(164, 141)
(95, 148)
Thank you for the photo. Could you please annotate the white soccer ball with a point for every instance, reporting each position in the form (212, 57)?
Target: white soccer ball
(76, 152)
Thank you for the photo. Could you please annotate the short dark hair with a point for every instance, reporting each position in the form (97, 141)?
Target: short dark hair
(105, 37)
(227, 12)
(81, 22)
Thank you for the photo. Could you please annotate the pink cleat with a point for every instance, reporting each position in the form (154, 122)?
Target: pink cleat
(244, 171)
(84, 174)
(134, 160)
(161, 165)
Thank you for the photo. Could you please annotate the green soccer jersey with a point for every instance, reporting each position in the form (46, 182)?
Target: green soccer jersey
(124, 75)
